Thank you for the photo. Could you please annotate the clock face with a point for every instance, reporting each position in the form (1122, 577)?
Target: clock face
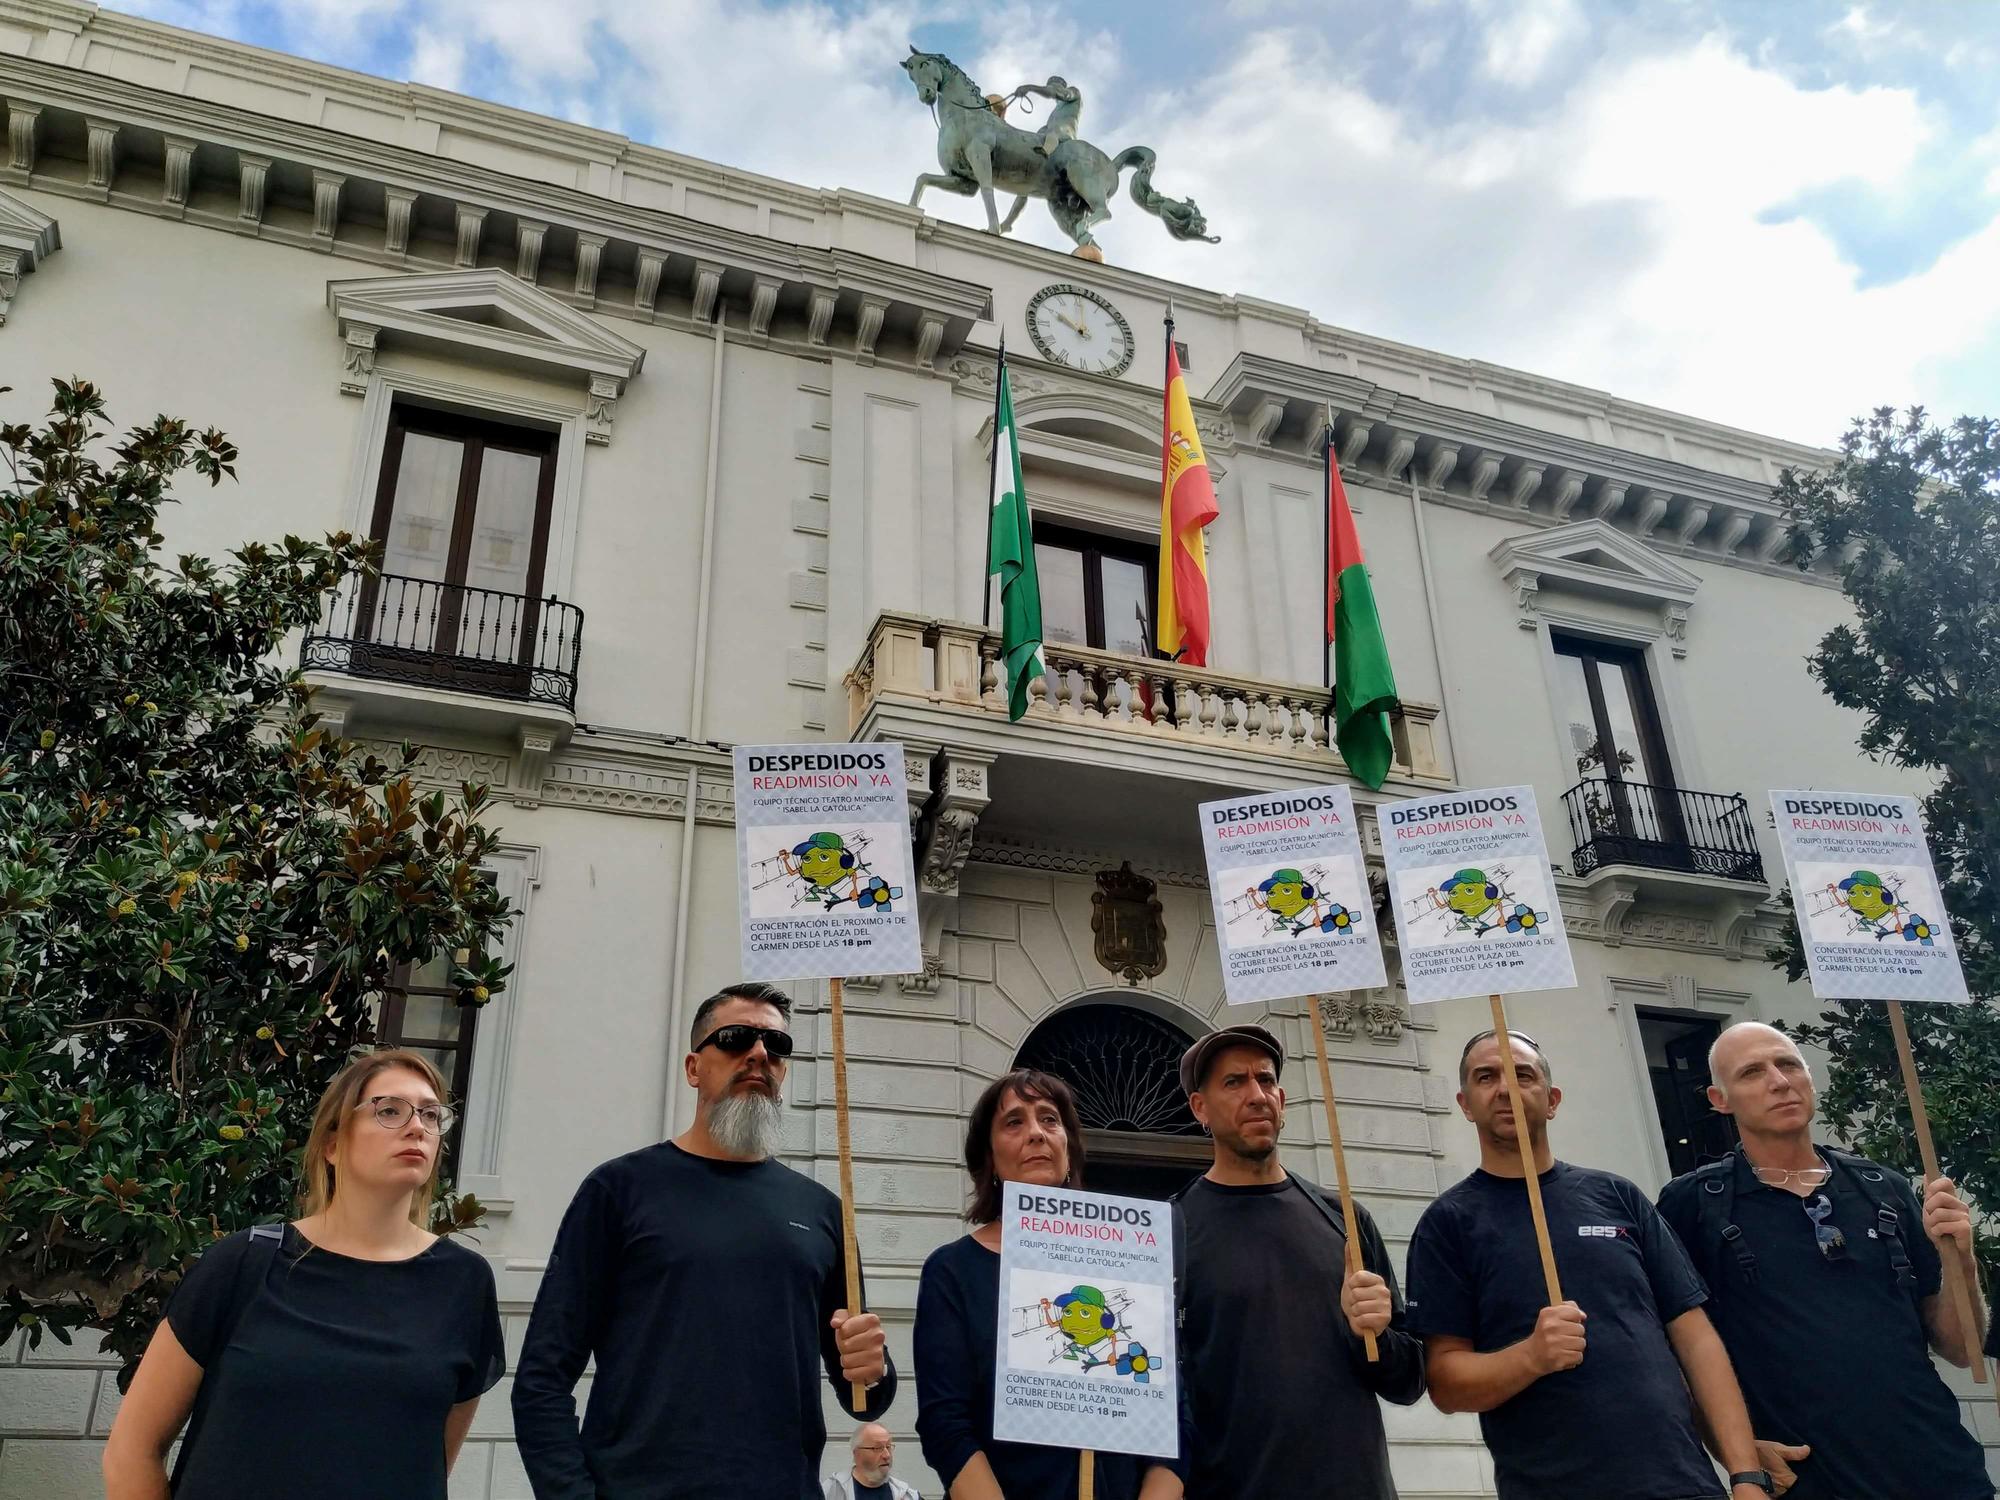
(1074, 326)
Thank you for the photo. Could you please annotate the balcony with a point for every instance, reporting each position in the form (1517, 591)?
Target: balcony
(391, 653)
(1676, 852)
(940, 681)
(1620, 822)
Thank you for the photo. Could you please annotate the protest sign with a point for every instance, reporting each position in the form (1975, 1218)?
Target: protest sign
(824, 880)
(1293, 915)
(825, 889)
(1866, 894)
(1873, 925)
(1475, 903)
(1086, 1335)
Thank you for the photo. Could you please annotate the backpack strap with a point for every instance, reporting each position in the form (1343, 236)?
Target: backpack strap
(1872, 1182)
(1715, 1209)
(1318, 1199)
(265, 1242)
(1177, 1228)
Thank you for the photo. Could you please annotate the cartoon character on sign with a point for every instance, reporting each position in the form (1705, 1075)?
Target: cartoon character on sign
(1297, 905)
(1877, 909)
(1086, 1326)
(823, 864)
(1474, 904)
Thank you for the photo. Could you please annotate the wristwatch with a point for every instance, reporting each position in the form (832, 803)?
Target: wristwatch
(1755, 1477)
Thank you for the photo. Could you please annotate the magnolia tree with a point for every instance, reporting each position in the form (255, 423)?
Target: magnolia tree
(1911, 515)
(201, 891)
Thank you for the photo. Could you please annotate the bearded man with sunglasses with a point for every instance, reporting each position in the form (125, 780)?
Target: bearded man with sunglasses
(708, 1281)
(1824, 1272)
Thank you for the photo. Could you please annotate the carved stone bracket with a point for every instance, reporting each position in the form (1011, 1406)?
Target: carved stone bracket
(1527, 589)
(1485, 470)
(326, 207)
(101, 153)
(21, 120)
(1354, 443)
(589, 256)
(820, 319)
(536, 747)
(251, 172)
(764, 303)
(1264, 419)
(604, 393)
(1439, 466)
(179, 171)
(707, 284)
(528, 237)
(1382, 1018)
(646, 291)
(471, 222)
(1674, 622)
(961, 793)
(397, 206)
(868, 327)
(1338, 1013)
(1567, 488)
(357, 358)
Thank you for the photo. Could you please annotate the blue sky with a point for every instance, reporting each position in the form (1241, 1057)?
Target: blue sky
(1770, 214)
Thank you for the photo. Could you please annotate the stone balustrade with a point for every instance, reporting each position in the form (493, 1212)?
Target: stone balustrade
(950, 663)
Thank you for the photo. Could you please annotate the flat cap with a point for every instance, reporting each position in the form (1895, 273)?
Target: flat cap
(1195, 1061)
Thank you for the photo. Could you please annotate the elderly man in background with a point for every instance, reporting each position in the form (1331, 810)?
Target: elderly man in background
(868, 1478)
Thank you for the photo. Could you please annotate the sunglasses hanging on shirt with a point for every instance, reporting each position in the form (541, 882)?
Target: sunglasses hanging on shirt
(1832, 1243)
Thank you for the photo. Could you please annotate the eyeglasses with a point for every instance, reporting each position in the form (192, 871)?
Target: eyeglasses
(1806, 1177)
(1832, 1243)
(392, 1113)
(737, 1040)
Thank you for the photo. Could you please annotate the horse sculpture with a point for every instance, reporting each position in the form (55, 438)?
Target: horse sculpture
(980, 151)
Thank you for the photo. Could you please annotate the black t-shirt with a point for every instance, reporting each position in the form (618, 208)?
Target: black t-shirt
(338, 1374)
(956, 1349)
(872, 1491)
(1622, 1423)
(1280, 1391)
(705, 1289)
(1831, 1353)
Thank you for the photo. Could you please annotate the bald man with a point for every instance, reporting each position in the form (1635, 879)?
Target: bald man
(869, 1478)
(1823, 1270)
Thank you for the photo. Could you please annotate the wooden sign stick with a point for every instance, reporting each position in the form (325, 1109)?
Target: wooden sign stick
(1086, 1475)
(850, 1248)
(1954, 1273)
(1527, 1152)
(1339, 1158)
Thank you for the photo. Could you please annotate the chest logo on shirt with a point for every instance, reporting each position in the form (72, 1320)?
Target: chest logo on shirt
(1603, 1232)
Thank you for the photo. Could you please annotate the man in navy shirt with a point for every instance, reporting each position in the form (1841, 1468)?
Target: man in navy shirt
(1587, 1399)
(1823, 1265)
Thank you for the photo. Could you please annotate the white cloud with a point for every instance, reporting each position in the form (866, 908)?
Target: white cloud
(1524, 37)
(1630, 234)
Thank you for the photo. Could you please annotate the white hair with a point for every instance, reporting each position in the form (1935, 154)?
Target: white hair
(854, 1443)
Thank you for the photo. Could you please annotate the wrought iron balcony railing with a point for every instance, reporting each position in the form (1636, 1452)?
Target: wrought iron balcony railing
(1620, 822)
(450, 636)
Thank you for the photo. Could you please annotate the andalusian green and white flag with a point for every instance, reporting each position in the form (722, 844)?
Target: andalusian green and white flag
(1010, 552)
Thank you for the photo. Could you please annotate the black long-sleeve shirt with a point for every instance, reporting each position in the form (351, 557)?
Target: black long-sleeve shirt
(705, 1290)
(1280, 1390)
(957, 1334)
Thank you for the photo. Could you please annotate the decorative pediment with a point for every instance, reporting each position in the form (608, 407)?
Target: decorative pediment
(488, 316)
(27, 237)
(1595, 560)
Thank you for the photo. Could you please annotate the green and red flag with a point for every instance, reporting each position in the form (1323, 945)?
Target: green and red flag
(1364, 687)
(1010, 553)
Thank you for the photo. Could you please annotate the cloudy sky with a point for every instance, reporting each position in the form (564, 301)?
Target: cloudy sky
(1775, 215)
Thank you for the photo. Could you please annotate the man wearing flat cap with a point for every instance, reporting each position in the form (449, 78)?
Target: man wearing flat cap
(1278, 1382)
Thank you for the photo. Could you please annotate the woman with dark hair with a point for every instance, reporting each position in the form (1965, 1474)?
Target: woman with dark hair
(341, 1354)
(1023, 1129)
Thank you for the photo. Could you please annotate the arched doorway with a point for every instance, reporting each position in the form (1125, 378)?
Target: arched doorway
(1123, 1064)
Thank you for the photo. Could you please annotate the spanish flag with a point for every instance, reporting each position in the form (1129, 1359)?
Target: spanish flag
(1187, 503)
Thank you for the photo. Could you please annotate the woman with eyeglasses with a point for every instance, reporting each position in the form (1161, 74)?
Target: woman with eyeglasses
(1025, 1129)
(341, 1354)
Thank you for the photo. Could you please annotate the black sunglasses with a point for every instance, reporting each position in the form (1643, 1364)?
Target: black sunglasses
(737, 1040)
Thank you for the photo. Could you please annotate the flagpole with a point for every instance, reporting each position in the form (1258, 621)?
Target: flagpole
(992, 480)
(1168, 542)
(1326, 578)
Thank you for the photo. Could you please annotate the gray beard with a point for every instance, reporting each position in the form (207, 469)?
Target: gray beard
(746, 1125)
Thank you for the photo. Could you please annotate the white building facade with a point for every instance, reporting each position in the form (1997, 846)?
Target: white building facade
(669, 457)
